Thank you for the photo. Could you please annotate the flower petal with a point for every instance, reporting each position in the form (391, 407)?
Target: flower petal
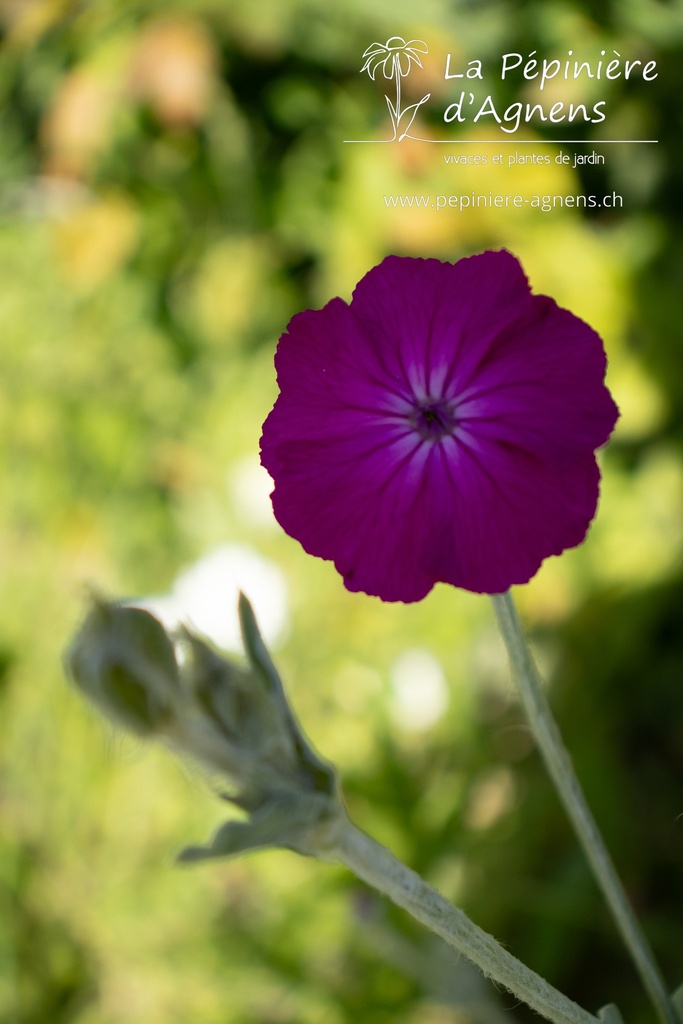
(414, 58)
(374, 62)
(502, 512)
(436, 321)
(547, 398)
(374, 48)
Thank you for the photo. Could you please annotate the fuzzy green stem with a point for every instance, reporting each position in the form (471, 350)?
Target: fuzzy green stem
(561, 771)
(378, 867)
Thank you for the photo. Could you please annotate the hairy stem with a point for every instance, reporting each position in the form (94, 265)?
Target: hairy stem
(378, 867)
(561, 771)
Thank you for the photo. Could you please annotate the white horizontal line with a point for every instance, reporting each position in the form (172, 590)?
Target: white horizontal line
(516, 142)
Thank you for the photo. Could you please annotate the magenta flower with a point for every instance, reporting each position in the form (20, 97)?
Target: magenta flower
(441, 427)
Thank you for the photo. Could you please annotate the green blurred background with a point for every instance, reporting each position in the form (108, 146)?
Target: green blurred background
(174, 186)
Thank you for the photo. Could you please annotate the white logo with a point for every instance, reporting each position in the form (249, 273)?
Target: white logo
(395, 58)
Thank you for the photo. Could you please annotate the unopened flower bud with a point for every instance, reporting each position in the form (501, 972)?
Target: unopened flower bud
(122, 659)
(240, 707)
(235, 721)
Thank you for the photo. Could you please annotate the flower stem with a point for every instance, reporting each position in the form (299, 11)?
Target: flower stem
(561, 771)
(378, 867)
(397, 69)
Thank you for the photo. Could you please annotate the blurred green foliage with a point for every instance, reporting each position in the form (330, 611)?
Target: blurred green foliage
(174, 185)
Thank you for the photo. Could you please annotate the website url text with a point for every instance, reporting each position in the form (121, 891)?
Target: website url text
(476, 200)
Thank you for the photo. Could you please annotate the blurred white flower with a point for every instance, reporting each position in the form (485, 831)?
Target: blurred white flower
(419, 692)
(250, 486)
(204, 596)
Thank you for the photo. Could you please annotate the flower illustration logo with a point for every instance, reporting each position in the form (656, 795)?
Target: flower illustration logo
(395, 58)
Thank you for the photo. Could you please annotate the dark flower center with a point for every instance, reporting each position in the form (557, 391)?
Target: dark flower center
(433, 419)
